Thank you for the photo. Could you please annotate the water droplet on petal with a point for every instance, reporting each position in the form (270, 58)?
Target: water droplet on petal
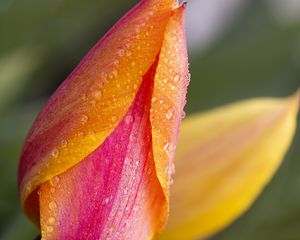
(97, 95)
(121, 52)
(64, 143)
(106, 200)
(154, 99)
(176, 78)
(50, 229)
(166, 146)
(84, 119)
(56, 179)
(128, 119)
(52, 205)
(183, 114)
(55, 153)
(28, 187)
(104, 76)
(128, 53)
(51, 220)
(114, 118)
(169, 114)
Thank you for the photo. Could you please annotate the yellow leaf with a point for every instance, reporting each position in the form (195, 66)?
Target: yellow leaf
(224, 159)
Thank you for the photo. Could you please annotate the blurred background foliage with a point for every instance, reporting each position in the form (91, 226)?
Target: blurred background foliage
(238, 49)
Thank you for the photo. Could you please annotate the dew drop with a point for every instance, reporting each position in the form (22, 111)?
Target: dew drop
(154, 99)
(169, 114)
(137, 163)
(28, 187)
(52, 205)
(84, 119)
(133, 64)
(176, 78)
(64, 143)
(55, 153)
(166, 146)
(127, 160)
(56, 179)
(50, 229)
(121, 52)
(104, 76)
(188, 77)
(183, 114)
(106, 200)
(51, 220)
(128, 53)
(80, 134)
(114, 118)
(171, 167)
(128, 119)
(97, 95)
(116, 62)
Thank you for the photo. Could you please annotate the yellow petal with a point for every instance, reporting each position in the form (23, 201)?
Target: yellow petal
(224, 159)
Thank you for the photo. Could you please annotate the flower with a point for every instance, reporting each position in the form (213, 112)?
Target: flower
(97, 162)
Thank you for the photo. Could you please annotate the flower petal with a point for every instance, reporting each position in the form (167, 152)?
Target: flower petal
(225, 158)
(91, 194)
(169, 94)
(89, 105)
(114, 192)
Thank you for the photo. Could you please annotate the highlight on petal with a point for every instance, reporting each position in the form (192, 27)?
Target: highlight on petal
(224, 159)
(96, 163)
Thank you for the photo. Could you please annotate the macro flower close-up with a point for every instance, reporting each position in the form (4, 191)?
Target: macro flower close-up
(136, 140)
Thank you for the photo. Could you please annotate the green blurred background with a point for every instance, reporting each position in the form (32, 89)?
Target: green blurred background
(238, 49)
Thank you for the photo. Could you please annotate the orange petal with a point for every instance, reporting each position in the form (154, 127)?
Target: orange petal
(168, 100)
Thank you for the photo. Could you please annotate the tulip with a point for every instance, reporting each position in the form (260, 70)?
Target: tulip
(97, 162)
